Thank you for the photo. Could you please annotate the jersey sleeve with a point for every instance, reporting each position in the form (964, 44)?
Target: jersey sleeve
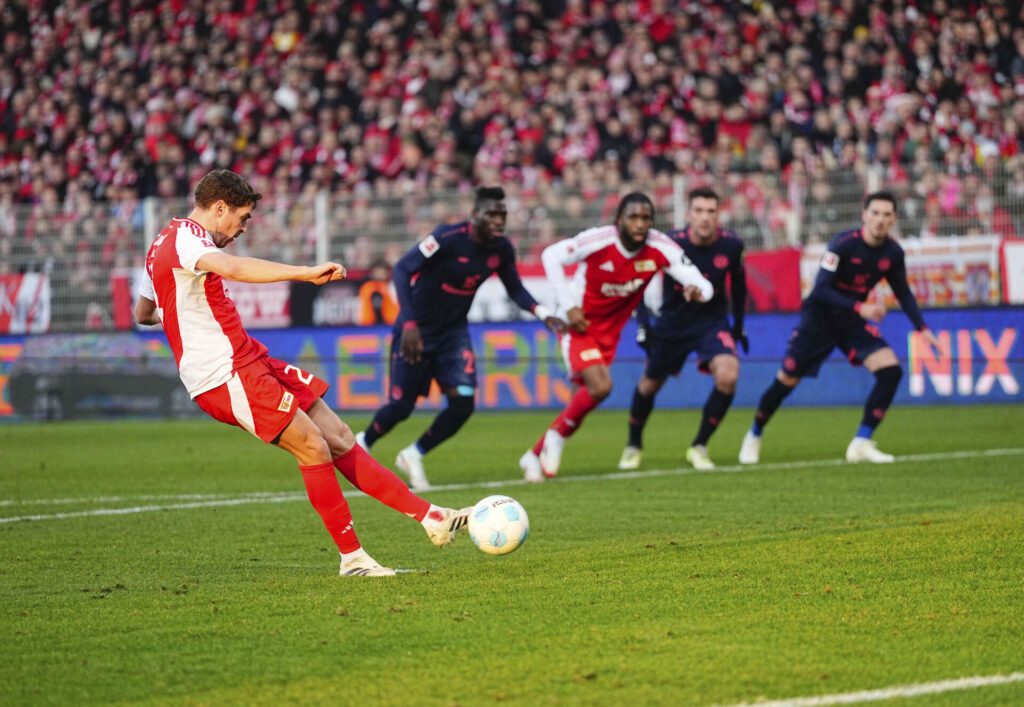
(897, 278)
(190, 249)
(408, 265)
(509, 276)
(738, 288)
(558, 255)
(146, 288)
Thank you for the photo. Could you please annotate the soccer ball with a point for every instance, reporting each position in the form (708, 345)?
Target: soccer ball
(498, 525)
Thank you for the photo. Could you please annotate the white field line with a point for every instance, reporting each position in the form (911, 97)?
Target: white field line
(215, 500)
(888, 693)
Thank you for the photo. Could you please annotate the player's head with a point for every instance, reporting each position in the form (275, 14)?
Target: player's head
(224, 205)
(489, 213)
(879, 215)
(702, 212)
(634, 218)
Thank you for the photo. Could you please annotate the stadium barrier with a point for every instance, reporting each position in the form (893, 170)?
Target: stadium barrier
(518, 367)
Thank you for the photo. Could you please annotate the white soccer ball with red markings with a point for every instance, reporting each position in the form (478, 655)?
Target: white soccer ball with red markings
(498, 525)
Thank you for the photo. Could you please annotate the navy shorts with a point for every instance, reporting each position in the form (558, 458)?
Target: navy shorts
(815, 337)
(447, 358)
(666, 356)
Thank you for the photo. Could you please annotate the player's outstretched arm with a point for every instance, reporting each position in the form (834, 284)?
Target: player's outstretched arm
(244, 269)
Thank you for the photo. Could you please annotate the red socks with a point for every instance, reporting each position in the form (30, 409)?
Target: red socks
(369, 476)
(572, 417)
(325, 495)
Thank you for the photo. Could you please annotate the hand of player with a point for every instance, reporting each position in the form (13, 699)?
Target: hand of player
(555, 325)
(691, 293)
(578, 320)
(326, 272)
(930, 337)
(739, 335)
(412, 344)
(873, 311)
(641, 337)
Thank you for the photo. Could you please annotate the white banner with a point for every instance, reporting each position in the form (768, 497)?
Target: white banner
(1013, 272)
(24, 303)
(946, 272)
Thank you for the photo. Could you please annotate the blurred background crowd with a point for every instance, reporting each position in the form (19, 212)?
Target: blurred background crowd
(792, 109)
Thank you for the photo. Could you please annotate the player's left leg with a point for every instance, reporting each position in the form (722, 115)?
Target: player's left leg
(453, 366)
(597, 385)
(888, 372)
(372, 478)
(725, 371)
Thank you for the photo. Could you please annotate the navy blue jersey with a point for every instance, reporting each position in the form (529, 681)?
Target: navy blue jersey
(449, 268)
(722, 257)
(849, 271)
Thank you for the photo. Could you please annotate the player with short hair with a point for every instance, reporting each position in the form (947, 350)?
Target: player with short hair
(679, 327)
(837, 313)
(615, 264)
(435, 283)
(233, 379)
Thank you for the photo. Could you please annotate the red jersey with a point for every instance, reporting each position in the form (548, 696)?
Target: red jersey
(610, 280)
(200, 321)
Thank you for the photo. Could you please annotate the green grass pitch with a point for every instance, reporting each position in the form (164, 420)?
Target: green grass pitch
(150, 562)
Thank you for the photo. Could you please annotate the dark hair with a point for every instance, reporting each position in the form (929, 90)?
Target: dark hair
(223, 184)
(881, 196)
(631, 198)
(488, 193)
(702, 193)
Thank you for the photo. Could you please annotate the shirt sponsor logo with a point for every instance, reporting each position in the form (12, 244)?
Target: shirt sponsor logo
(606, 266)
(286, 402)
(428, 246)
(829, 261)
(590, 355)
(645, 266)
(625, 289)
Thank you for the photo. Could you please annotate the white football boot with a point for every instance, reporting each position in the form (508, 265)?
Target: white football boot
(698, 457)
(442, 524)
(631, 458)
(361, 441)
(410, 462)
(551, 453)
(530, 464)
(750, 450)
(862, 449)
(362, 565)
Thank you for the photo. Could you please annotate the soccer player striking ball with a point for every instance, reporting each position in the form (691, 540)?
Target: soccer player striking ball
(682, 327)
(435, 283)
(615, 264)
(233, 379)
(836, 313)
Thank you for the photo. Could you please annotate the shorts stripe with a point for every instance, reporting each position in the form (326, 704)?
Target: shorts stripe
(240, 404)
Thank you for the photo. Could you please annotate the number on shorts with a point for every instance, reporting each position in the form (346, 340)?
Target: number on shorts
(468, 355)
(306, 378)
(727, 340)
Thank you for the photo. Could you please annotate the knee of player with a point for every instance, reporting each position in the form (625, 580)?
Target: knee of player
(726, 381)
(600, 390)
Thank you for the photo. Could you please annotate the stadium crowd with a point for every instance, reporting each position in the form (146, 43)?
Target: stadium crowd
(781, 106)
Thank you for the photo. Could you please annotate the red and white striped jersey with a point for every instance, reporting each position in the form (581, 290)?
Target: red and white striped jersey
(201, 323)
(610, 280)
